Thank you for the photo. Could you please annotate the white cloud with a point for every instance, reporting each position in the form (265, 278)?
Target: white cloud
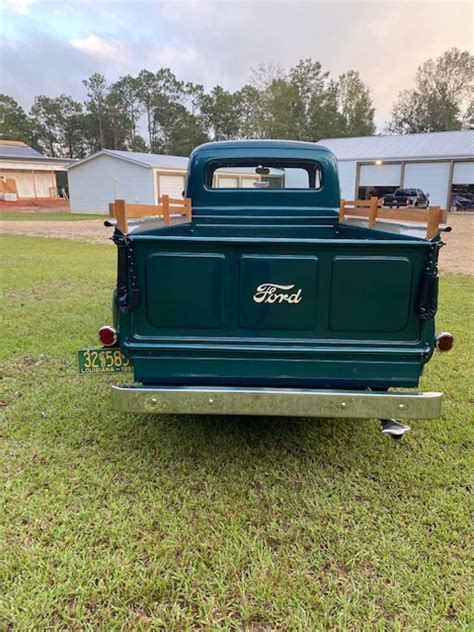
(172, 57)
(218, 41)
(98, 47)
(20, 6)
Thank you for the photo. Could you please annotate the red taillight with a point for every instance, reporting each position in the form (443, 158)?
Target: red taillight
(445, 341)
(107, 336)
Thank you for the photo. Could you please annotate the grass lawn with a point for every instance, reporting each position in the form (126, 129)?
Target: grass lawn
(122, 522)
(28, 216)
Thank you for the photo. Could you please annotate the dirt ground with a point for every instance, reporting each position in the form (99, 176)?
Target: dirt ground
(456, 256)
(90, 229)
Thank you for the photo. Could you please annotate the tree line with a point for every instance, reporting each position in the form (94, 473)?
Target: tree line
(156, 112)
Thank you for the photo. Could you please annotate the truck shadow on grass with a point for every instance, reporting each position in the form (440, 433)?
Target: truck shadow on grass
(222, 441)
(242, 462)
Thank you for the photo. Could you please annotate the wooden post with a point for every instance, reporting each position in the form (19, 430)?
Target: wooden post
(434, 216)
(342, 208)
(166, 209)
(121, 216)
(111, 210)
(374, 202)
(187, 206)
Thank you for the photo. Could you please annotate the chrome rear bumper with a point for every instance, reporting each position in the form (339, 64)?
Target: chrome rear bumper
(286, 402)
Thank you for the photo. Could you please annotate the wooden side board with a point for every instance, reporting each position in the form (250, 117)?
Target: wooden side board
(432, 217)
(123, 211)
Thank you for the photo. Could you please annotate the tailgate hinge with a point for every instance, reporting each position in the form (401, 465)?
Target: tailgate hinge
(127, 288)
(428, 302)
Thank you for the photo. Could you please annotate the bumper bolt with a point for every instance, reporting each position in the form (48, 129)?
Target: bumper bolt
(152, 402)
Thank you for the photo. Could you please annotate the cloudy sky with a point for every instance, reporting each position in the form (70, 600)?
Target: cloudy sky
(49, 47)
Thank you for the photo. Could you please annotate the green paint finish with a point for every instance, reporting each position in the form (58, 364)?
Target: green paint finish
(338, 306)
(324, 369)
(185, 290)
(242, 202)
(376, 294)
(277, 292)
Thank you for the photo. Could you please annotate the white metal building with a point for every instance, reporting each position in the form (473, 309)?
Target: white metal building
(137, 178)
(439, 163)
(32, 174)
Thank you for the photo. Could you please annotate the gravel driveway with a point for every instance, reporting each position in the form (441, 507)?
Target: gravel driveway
(456, 256)
(89, 229)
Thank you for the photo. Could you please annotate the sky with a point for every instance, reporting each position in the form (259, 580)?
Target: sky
(50, 47)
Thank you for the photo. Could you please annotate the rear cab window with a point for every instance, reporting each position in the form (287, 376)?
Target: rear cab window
(263, 175)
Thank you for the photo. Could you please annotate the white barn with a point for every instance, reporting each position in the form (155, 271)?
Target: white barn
(135, 177)
(439, 163)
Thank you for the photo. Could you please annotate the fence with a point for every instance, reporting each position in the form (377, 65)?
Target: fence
(370, 209)
(123, 211)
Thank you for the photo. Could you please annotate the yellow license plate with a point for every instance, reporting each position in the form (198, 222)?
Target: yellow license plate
(103, 361)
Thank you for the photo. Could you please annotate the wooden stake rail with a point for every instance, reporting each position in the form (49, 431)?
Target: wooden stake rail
(432, 217)
(123, 211)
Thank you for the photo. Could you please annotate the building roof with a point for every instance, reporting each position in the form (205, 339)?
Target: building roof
(17, 149)
(23, 156)
(141, 158)
(458, 144)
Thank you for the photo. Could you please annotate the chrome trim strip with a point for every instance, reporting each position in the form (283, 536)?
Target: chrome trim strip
(284, 402)
(136, 346)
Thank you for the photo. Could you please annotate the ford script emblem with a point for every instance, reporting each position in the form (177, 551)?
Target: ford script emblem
(273, 293)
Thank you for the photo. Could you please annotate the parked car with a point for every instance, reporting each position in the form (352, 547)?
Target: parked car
(459, 202)
(407, 198)
(266, 304)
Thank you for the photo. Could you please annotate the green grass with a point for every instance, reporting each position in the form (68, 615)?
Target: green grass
(28, 216)
(122, 522)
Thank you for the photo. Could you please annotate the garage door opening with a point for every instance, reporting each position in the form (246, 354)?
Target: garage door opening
(365, 193)
(462, 190)
(378, 180)
(172, 185)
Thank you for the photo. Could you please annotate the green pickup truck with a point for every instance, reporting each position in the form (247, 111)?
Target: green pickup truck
(266, 304)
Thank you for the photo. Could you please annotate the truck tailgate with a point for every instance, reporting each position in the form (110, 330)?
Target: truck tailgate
(318, 312)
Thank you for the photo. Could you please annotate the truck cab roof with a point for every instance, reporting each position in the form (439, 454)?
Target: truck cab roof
(256, 143)
(249, 174)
